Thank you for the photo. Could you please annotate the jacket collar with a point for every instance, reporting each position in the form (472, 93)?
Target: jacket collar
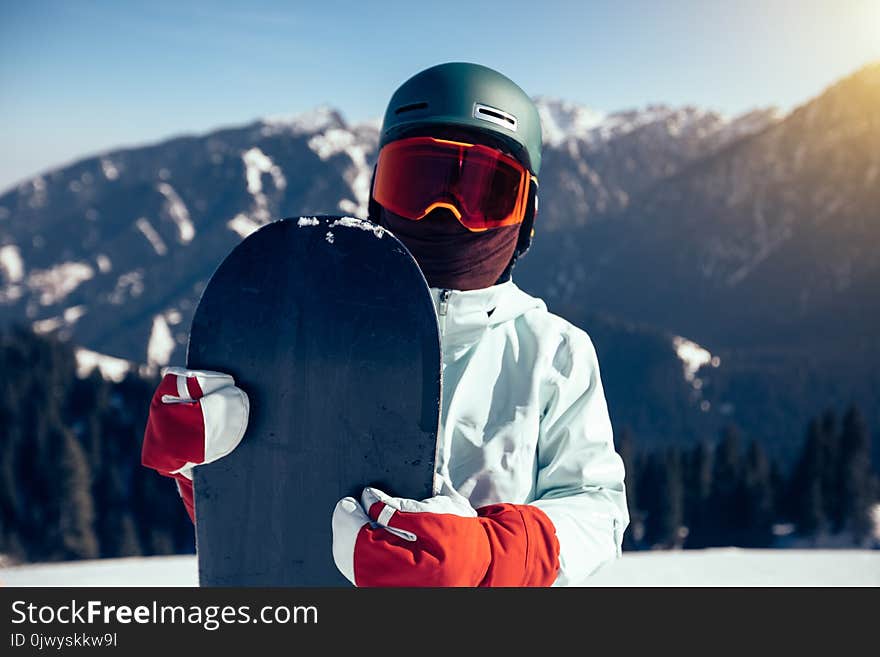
(464, 316)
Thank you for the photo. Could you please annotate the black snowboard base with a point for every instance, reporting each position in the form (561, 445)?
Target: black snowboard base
(328, 325)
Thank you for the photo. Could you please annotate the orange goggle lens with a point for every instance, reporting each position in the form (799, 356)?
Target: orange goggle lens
(482, 186)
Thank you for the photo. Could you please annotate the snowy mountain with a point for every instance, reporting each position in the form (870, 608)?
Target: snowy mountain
(595, 164)
(764, 251)
(703, 130)
(771, 239)
(113, 250)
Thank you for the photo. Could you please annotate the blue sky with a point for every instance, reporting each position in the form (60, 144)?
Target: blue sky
(78, 77)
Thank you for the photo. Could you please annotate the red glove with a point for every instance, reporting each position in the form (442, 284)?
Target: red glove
(195, 417)
(442, 541)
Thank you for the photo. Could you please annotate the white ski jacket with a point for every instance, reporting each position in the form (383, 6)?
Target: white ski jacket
(524, 420)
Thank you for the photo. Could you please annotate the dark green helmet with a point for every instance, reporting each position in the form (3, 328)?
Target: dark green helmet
(469, 96)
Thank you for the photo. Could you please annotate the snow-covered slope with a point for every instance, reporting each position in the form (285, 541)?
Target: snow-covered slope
(720, 567)
(132, 571)
(735, 567)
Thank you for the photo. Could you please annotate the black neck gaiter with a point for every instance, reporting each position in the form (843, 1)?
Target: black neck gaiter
(449, 255)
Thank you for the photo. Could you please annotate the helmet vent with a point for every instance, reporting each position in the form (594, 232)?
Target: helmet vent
(494, 115)
(410, 107)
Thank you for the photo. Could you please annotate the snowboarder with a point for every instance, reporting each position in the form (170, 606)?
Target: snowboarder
(531, 490)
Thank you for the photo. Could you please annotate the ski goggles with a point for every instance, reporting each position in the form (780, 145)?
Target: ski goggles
(483, 187)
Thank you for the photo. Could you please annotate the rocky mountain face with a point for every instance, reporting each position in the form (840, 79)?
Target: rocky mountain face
(595, 165)
(113, 250)
(765, 251)
(770, 239)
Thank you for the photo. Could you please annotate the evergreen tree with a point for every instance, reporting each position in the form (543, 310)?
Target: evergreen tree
(857, 494)
(649, 484)
(635, 531)
(830, 470)
(74, 500)
(779, 491)
(663, 495)
(729, 519)
(759, 498)
(698, 492)
(626, 449)
(807, 489)
(71, 483)
(671, 521)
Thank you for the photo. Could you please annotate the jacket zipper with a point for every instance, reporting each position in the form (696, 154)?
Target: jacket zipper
(441, 455)
(444, 306)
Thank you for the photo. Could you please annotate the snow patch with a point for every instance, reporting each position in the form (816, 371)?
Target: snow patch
(307, 221)
(103, 262)
(56, 283)
(109, 169)
(72, 314)
(67, 318)
(618, 124)
(358, 174)
(354, 222)
(562, 120)
(693, 357)
(329, 237)
(329, 136)
(10, 294)
(143, 224)
(161, 343)
(327, 144)
(37, 190)
(110, 367)
(11, 263)
(257, 163)
(178, 212)
(347, 205)
(243, 225)
(315, 120)
(44, 326)
(128, 286)
(748, 123)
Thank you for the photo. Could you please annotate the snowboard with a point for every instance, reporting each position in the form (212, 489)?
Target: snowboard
(328, 325)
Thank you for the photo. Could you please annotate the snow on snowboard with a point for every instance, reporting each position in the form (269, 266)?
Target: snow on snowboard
(328, 325)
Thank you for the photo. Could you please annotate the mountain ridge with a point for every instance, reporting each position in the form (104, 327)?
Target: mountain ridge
(777, 225)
